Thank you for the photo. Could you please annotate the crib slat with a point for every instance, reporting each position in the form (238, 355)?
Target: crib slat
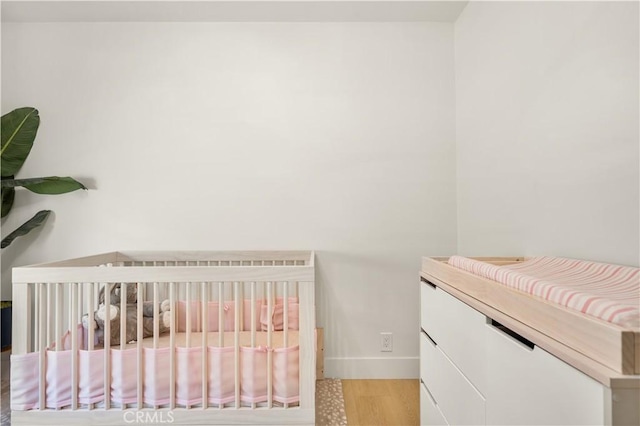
(188, 325)
(156, 315)
(221, 314)
(285, 315)
(241, 296)
(140, 324)
(269, 312)
(44, 324)
(285, 320)
(220, 319)
(210, 290)
(59, 313)
(172, 346)
(253, 321)
(107, 347)
(270, 297)
(91, 318)
(187, 296)
(74, 345)
(36, 318)
(236, 343)
(253, 314)
(92, 303)
(80, 302)
(123, 316)
(142, 293)
(50, 312)
(123, 322)
(205, 345)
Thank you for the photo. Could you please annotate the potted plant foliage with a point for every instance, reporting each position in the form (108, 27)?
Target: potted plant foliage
(19, 129)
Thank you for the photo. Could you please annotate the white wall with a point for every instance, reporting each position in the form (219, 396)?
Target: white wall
(547, 129)
(336, 137)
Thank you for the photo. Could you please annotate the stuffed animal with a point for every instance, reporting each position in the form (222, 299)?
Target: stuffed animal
(113, 313)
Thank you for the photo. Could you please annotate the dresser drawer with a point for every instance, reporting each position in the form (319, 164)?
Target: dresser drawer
(456, 398)
(430, 414)
(458, 329)
(530, 386)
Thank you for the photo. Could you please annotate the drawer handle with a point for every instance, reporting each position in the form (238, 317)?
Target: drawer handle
(433, 400)
(429, 337)
(424, 280)
(512, 334)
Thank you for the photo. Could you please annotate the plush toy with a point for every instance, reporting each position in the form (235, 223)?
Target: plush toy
(113, 313)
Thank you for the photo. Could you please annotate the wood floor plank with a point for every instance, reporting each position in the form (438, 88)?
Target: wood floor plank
(406, 400)
(382, 402)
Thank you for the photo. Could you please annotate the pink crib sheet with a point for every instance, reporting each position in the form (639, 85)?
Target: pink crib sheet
(605, 291)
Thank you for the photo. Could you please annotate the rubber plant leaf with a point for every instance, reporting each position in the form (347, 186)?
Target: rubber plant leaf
(19, 128)
(37, 220)
(51, 185)
(8, 195)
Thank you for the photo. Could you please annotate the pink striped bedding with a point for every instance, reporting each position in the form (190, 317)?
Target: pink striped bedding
(285, 362)
(604, 291)
(156, 385)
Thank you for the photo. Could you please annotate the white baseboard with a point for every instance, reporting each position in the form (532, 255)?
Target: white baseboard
(372, 368)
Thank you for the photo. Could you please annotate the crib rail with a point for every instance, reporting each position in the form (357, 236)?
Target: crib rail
(230, 313)
(305, 258)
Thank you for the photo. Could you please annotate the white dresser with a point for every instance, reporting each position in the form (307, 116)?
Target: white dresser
(476, 371)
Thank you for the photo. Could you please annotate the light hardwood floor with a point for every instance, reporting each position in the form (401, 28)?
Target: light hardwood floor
(382, 402)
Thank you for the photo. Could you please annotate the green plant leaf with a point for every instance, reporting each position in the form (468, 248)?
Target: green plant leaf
(51, 185)
(19, 128)
(8, 194)
(37, 220)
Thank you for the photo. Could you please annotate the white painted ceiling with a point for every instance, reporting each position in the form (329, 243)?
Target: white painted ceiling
(230, 11)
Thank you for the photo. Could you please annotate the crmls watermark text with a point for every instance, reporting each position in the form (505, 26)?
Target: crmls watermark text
(148, 417)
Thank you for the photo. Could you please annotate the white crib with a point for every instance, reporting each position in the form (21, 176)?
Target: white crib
(240, 350)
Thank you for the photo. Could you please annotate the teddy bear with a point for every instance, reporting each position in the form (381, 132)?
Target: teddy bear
(113, 313)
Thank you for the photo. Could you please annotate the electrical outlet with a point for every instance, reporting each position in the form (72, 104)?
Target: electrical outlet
(386, 342)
